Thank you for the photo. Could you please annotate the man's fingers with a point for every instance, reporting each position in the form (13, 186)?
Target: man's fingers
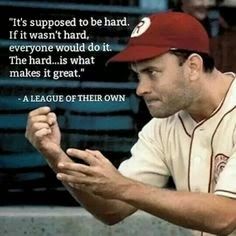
(95, 153)
(70, 172)
(39, 118)
(42, 132)
(40, 111)
(52, 118)
(67, 166)
(49, 118)
(83, 155)
(40, 125)
(73, 179)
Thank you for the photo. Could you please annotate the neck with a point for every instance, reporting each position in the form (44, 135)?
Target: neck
(213, 89)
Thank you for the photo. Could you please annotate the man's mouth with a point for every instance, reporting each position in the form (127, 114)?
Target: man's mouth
(151, 101)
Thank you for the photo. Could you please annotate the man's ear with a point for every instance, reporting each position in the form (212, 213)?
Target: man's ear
(195, 65)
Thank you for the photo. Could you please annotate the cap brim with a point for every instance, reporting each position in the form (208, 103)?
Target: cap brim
(137, 53)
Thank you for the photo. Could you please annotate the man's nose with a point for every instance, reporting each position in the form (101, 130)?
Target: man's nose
(204, 3)
(143, 87)
(200, 3)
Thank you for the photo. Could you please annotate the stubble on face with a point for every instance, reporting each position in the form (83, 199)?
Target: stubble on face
(176, 98)
(170, 97)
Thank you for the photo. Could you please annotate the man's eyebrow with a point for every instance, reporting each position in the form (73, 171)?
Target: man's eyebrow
(133, 67)
(148, 68)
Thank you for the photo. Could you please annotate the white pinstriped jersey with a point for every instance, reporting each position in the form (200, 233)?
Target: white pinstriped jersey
(201, 157)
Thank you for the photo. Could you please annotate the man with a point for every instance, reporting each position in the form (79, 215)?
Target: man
(192, 136)
(196, 8)
(211, 19)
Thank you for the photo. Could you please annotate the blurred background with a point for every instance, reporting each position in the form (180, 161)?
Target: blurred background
(111, 127)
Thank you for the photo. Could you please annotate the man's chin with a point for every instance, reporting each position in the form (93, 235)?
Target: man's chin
(201, 15)
(158, 114)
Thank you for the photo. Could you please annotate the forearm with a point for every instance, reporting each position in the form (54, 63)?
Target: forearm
(200, 211)
(43, 132)
(108, 211)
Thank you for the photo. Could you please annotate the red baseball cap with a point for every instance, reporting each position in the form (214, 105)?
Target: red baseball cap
(161, 32)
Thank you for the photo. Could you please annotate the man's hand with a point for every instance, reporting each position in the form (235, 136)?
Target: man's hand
(42, 130)
(99, 177)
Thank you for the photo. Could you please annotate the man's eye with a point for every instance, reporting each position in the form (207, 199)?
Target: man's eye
(153, 73)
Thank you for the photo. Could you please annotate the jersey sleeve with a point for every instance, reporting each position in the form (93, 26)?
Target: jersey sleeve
(146, 163)
(226, 184)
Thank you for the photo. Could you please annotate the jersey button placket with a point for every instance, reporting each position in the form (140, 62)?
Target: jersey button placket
(198, 171)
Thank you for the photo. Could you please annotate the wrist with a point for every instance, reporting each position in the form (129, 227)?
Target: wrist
(50, 150)
(129, 189)
(54, 155)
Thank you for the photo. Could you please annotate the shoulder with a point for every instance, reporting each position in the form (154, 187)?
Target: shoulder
(160, 126)
(231, 93)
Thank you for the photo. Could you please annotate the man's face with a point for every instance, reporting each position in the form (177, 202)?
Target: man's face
(196, 8)
(163, 85)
